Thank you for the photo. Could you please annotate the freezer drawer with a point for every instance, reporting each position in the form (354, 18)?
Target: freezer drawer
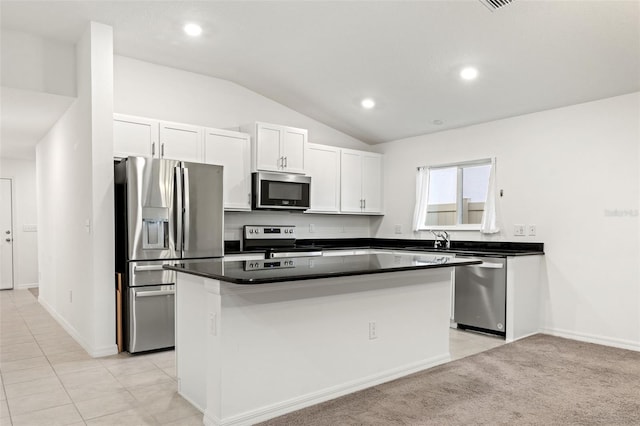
(151, 318)
(480, 295)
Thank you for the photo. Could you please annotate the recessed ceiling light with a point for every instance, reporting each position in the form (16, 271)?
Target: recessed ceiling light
(194, 30)
(469, 73)
(368, 103)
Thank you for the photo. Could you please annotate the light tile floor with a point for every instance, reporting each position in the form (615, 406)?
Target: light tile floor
(48, 379)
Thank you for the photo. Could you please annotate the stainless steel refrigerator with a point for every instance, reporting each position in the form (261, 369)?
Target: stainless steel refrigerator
(166, 211)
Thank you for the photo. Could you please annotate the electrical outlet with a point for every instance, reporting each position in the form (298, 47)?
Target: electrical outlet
(518, 230)
(398, 229)
(373, 332)
(531, 230)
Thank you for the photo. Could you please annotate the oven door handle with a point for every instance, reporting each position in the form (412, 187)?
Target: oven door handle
(488, 265)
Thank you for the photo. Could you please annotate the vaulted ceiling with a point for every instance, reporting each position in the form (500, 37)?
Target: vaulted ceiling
(322, 58)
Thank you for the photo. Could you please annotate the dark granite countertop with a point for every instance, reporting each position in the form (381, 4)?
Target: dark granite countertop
(475, 248)
(306, 268)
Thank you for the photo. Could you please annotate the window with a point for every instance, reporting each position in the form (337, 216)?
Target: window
(453, 196)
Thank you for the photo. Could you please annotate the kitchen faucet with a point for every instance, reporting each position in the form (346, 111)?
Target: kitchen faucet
(442, 239)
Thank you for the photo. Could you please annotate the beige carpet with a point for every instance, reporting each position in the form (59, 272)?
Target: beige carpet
(541, 380)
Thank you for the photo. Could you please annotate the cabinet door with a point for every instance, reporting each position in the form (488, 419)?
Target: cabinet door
(267, 147)
(231, 150)
(293, 148)
(323, 165)
(372, 183)
(351, 182)
(134, 136)
(181, 142)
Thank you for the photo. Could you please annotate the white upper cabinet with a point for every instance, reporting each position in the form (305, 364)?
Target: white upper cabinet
(361, 182)
(144, 137)
(323, 165)
(231, 150)
(181, 142)
(134, 136)
(372, 182)
(278, 148)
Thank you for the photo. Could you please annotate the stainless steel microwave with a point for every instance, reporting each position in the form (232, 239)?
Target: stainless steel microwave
(280, 191)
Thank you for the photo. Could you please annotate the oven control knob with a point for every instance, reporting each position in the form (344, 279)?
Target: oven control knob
(251, 230)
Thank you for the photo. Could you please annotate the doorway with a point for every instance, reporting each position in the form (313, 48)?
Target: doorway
(6, 234)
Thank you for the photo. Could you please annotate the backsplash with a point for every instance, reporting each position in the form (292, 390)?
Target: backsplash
(307, 225)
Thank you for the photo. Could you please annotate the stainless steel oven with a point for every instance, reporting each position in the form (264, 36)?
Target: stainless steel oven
(280, 191)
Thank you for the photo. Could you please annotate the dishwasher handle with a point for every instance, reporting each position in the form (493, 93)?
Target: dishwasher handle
(490, 265)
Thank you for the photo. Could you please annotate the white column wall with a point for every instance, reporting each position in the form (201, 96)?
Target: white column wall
(567, 170)
(75, 203)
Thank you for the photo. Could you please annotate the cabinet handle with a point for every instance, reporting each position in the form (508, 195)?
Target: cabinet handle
(286, 162)
(364, 204)
(162, 150)
(153, 149)
(249, 198)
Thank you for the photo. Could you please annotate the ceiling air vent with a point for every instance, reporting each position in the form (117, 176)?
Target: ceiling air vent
(495, 4)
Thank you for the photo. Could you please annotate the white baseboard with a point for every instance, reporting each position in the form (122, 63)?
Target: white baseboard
(280, 408)
(93, 352)
(592, 338)
(25, 286)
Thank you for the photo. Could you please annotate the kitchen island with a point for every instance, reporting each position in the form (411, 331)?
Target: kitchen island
(257, 339)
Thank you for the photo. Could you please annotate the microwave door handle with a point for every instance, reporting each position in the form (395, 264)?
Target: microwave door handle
(186, 209)
(178, 207)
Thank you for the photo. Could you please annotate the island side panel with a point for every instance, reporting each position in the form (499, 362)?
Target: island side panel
(284, 346)
(523, 296)
(191, 327)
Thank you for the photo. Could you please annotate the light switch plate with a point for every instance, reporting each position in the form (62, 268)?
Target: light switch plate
(531, 230)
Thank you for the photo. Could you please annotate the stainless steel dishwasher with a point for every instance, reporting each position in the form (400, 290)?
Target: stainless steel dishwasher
(480, 295)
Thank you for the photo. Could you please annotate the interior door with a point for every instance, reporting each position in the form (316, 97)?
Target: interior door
(6, 229)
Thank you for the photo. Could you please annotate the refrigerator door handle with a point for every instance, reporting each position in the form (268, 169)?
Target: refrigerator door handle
(178, 208)
(186, 209)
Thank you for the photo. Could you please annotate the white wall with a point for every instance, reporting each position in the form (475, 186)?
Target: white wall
(565, 170)
(31, 62)
(160, 92)
(25, 243)
(75, 202)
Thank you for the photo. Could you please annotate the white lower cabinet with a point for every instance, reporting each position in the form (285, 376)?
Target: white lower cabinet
(231, 150)
(323, 165)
